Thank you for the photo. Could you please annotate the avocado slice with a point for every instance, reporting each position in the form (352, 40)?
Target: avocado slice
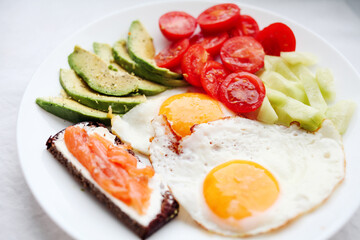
(71, 110)
(76, 88)
(123, 58)
(142, 51)
(104, 51)
(96, 73)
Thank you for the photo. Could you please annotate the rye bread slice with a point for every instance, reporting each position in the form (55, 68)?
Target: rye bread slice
(169, 206)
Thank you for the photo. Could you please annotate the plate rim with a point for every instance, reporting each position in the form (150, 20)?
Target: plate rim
(70, 232)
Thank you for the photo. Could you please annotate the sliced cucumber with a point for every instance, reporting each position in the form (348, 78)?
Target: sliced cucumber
(304, 58)
(311, 87)
(267, 113)
(340, 114)
(292, 89)
(278, 65)
(290, 110)
(325, 80)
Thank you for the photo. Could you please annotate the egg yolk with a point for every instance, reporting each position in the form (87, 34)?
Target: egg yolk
(238, 188)
(187, 109)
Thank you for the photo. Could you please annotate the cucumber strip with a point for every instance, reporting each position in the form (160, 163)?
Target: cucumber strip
(278, 65)
(325, 80)
(304, 58)
(292, 89)
(341, 113)
(267, 113)
(311, 87)
(290, 110)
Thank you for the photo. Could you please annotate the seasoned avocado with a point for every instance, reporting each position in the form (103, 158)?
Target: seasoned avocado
(76, 88)
(71, 110)
(96, 73)
(141, 50)
(104, 51)
(150, 88)
(123, 58)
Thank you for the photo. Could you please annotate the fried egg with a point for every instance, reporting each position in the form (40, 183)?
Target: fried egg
(239, 177)
(184, 107)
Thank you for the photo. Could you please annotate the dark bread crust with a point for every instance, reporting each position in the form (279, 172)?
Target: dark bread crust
(169, 206)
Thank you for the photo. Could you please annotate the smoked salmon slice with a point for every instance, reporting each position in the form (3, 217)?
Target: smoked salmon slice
(112, 167)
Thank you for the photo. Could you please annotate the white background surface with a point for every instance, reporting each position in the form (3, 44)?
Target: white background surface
(30, 30)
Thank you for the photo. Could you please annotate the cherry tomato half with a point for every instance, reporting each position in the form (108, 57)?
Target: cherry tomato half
(211, 43)
(242, 92)
(242, 54)
(193, 62)
(177, 25)
(276, 38)
(171, 56)
(212, 75)
(219, 18)
(247, 26)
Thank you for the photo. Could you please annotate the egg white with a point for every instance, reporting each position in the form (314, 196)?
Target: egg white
(307, 167)
(135, 128)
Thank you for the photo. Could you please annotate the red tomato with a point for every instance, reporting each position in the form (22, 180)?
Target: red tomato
(242, 54)
(211, 43)
(247, 26)
(177, 25)
(276, 38)
(219, 18)
(212, 75)
(242, 92)
(171, 56)
(193, 62)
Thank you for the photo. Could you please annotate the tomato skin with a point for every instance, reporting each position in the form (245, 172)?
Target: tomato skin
(242, 54)
(218, 18)
(177, 25)
(247, 26)
(212, 75)
(211, 43)
(172, 55)
(242, 92)
(193, 62)
(276, 38)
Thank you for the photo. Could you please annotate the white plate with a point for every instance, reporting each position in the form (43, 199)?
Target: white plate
(80, 214)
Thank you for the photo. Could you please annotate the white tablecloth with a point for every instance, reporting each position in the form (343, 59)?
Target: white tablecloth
(30, 30)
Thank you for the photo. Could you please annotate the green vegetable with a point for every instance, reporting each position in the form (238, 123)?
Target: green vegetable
(292, 89)
(76, 88)
(340, 114)
(96, 73)
(311, 87)
(325, 81)
(290, 110)
(104, 51)
(303, 58)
